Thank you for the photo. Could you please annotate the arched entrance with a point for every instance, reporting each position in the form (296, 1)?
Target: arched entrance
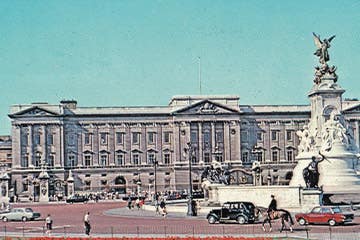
(119, 185)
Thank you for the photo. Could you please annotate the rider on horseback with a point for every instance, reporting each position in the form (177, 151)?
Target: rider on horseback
(272, 206)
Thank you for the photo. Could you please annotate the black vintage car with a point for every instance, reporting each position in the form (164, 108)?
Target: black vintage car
(77, 199)
(241, 212)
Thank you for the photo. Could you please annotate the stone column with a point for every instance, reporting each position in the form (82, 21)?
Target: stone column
(4, 188)
(17, 152)
(200, 143)
(44, 186)
(30, 147)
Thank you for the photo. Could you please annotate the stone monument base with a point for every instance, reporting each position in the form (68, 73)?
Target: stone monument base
(296, 199)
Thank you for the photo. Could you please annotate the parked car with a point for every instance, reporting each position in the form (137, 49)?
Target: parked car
(77, 199)
(331, 215)
(241, 212)
(20, 214)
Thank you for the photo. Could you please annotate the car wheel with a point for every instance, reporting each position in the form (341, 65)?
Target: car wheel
(211, 220)
(5, 219)
(241, 220)
(302, 221)
(24, 219)
(332, 222)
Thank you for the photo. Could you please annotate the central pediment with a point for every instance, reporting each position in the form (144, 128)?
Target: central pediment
(205, 107)
(35, 111)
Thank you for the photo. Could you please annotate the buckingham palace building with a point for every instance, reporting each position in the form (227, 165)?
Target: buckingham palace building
(125, 149)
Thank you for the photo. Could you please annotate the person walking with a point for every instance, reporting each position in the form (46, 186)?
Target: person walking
(48, 224)
(87, 223)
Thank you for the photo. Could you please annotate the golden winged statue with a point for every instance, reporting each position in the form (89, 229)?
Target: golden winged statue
(322, 48)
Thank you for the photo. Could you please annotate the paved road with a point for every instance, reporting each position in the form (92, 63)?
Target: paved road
(114, 219)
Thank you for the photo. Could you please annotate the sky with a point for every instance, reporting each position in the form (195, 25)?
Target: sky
(141, 53)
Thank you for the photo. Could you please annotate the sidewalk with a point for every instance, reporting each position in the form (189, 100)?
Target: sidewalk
(175, 210)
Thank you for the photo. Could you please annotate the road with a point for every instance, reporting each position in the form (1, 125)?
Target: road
(113, 219)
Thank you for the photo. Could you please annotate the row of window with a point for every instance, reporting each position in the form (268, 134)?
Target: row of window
(120, 160)
(275, 155)
(274, 135)
(120, 138)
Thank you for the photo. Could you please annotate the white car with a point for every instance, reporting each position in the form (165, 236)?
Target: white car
(20, 214)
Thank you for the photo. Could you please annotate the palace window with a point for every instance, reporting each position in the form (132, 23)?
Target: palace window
(51, 160)
(50, 139)
(103, 160)
(37, 160)
(120, 138)
(290, 155)
(71, 160)
(71, 139)
(207, 139)
(151, 137)
(136, 159)
(103, 138)
(193, 137)
(259, 136)
(244, 136)
(37, 139)
(24, 139)
(167, 158)
(260, 156)
(167, 137)
(245, 157)
(275, 155)
(120, 159)
(87, 160)
(288, 135)
(135, 138)
(25, 161)
(219, 158)
(219, 137)
(87, 138)
(151, 158)
(206, 157)
(274, 135)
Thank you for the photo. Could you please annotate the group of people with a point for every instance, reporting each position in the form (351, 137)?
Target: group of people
(49, 224)
(138, 203)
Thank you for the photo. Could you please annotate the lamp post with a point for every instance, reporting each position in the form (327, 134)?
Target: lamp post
(155, 162)
(138, 183)
(189, 150)
(269, 176)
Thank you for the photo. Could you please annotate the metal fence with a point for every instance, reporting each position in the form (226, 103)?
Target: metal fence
(254, 230)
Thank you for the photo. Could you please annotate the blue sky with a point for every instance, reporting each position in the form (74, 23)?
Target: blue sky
(130, 53)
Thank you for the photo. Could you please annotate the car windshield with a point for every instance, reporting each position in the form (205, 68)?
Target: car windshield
(336, 210)
(28, 210)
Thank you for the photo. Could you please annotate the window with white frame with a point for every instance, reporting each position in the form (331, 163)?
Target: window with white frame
(50, 139)
(167, 159)
(120, 138)
(25, 161)
(87, 160)
(87, 138)
(71, 138)
(51, 160)
(151, 158)
(275, 155)
(290, 155)
(289, 135)
(135, 138)
(167, 137)
(259, 136)
(71, 160)
(245, 157)
(37, 138)
(260, 156)
(103, 138)
(151, 137)
(136, 159)
(120, 159)
(274, 135)
(103, 160)
(207, 157)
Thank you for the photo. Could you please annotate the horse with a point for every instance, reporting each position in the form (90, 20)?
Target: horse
(282, 214)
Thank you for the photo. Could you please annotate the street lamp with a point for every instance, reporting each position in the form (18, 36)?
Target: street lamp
(155, 162)
(138, 183)
(269, 176)
(189, 150)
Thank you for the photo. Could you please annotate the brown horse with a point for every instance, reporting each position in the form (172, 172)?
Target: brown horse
(284, 215)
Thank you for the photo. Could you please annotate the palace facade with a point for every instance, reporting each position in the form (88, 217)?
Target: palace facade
(130, 149)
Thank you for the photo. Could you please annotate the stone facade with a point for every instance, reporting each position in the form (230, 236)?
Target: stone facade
(111, 148)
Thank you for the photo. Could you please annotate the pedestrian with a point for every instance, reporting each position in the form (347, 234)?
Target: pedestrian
(87, 223)
(48, 224)
(129, 202)
(137, 203)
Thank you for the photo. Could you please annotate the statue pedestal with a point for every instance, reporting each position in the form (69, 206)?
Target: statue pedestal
(310, 198)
